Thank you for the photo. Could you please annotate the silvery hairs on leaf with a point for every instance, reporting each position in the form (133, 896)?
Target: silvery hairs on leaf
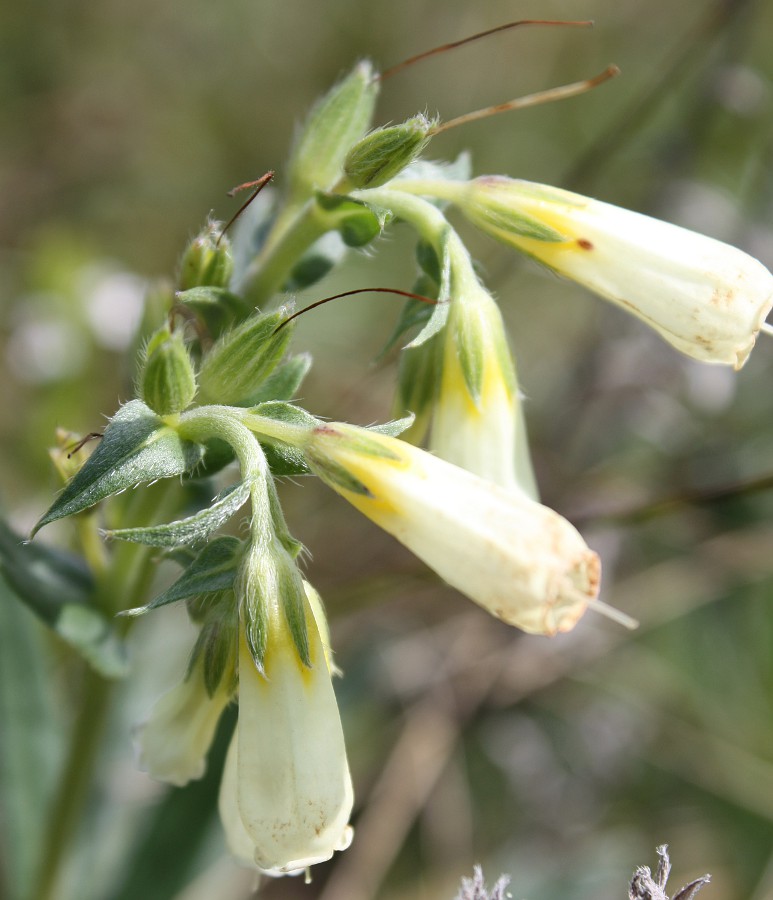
(646, 887)
(475, 888)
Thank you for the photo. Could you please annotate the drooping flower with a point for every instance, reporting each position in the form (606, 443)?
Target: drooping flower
(286, 794)
(704, 297)
(477, 420)
(518, 559)
(173, 743)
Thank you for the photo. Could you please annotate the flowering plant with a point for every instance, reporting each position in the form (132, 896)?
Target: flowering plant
(216, 404)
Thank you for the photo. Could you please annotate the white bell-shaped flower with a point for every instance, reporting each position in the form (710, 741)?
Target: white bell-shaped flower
(477, 421)
(286, 794)
(518, 559)
(706, 298)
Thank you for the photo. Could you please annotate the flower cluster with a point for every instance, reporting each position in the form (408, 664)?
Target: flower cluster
(216, 388)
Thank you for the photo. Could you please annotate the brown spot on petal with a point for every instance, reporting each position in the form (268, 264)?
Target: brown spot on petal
(723, 297)
(584, 243)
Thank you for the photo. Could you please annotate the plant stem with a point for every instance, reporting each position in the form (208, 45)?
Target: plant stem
(291, 238)
(74, 782)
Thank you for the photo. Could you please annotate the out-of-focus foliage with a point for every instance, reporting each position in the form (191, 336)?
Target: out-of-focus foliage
(562, 762)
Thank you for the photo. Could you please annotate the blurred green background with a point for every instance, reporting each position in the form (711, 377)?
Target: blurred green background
(563, 762)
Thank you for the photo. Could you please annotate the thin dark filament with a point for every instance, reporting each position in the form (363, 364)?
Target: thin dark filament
(376, 290)
(92, 435)
(258, 187)
(475, 37)
(548, 96)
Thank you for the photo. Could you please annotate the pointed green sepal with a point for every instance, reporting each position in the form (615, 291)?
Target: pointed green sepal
(439, 315)
(396, 427)
(214, 569)
(335, 475)
(468, 340)
(167, 382)
(217, 307)
(207, 260)
(192, 529)
(253, 588)
(293, 600)
(238, 364)
(136, 447)
(216, 647)
(418, 382)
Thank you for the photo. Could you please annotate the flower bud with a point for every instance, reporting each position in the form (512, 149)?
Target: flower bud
(384, 153)
(167, 380)
(706, 298)
(518, 559)
(334, 124)
(478, 421)
(174, 741)
(235, 368)
(207, 261)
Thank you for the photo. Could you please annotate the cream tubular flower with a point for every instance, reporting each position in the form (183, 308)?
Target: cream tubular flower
(518, 559)
(173, 743)
(704, 297)
(477, 421)
(287, 767)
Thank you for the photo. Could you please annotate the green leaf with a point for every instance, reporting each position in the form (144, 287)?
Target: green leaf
(58, 587)
(137, 447)
(29, 747)
(194, 528)
(214, 569)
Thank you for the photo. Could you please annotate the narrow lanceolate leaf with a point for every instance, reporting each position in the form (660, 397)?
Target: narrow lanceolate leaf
(194, 528)
(57, 587)
(137, 447)
(30, 746)
(214, 569)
